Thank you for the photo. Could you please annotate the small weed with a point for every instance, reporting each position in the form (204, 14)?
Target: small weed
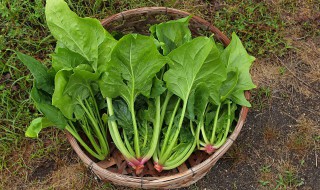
(261, 97)
(264, 183)
(288, 179)
(265, 169)
(282, 70)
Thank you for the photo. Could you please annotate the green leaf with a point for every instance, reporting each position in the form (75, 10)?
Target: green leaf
(80, 84)
(190, 68)
(157, 88)
(239, 98)
(202, 97)
(123, 116)
(134, 63)
(236, 56)
(80, 35)
(185, 136)
(148, 114)
(145, 134)
(172, 34)
(43, 80)
(214, 63)
(36, 126)
(229, 85)
(43, 104)
(237, 60)
(105, 50)
(66, 59)
(190, 106)
(61, 100)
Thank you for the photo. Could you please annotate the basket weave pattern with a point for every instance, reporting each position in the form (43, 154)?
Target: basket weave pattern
(115, 169)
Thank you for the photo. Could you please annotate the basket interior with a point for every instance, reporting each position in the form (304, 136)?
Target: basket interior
(140, 22)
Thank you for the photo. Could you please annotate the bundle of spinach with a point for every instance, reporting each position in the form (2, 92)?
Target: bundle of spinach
(159, 96)
(67, 94)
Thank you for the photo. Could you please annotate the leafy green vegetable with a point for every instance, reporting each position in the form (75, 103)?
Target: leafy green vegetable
(67, 94)
(130, 72)
(237, 64)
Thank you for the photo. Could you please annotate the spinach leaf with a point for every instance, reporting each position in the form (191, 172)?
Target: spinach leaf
(80, 35)
(61, 100)
(236, 57)
(134, 63)
(43, 103)
(36, 126)
(189, 68)
(123, 116)
(66, 59)
(172, 34)
(43, 79)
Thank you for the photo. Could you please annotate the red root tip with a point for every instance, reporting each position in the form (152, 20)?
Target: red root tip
(158, 167)
(139, 169)
(209, 149)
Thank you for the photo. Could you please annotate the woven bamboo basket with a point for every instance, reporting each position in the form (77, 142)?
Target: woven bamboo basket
(115, 169)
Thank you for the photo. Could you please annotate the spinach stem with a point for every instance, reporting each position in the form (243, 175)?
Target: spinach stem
(89, 112)
(168, 132)
(156, 132)
(224, 138)
(86, 129)
(178, 161)
(164, 106)
(126, 141)
(75, 134)
(103, 129)
(215, 125)
(135, 130)
(192, 128)
(176, 135)
(203, 132)
(145, 139)
(114, 132)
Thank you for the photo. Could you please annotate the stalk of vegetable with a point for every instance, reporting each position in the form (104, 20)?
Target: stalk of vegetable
(129, 74)
(43, 94)
(188, 71)
(237, 63)
(67, 93)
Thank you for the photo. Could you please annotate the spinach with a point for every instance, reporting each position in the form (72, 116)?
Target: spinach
(133, 66)
(68, 97)
(160, 96)
(237, 64)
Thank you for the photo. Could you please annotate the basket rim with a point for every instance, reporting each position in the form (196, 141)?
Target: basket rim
(151, 182)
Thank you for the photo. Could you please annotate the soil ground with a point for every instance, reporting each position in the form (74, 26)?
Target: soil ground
(279, 145)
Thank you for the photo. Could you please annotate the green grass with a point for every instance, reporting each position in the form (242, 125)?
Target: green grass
(287, 180)
(256, 23)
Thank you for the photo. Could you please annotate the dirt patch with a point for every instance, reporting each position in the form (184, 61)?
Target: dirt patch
(69, 177)
(42, 171)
